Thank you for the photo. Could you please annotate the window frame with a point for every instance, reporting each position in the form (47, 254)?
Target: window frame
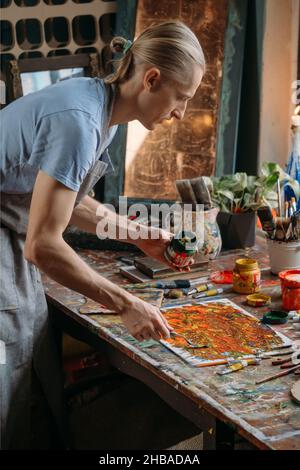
(91, 63)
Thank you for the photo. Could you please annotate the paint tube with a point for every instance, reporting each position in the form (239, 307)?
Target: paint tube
(236, 366)
(208, 293)
(199, 288)
(233, 368)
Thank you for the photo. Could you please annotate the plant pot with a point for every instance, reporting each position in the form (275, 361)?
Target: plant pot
(283, 255)
(237, 230)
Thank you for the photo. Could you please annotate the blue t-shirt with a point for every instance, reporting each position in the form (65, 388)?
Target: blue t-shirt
(62, 130)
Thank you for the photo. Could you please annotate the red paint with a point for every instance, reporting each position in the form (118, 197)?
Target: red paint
(222, 277)
(290, 289)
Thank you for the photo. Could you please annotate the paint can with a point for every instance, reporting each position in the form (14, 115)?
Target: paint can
(290, 289)
(275, 317)
(181, 249)
(246, 276)
(283, 255)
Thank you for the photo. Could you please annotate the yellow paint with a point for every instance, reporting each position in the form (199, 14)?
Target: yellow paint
(246, 276)
(258, 300)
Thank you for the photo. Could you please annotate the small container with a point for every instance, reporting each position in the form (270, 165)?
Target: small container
(182, 249)
(290, 289)
(283, 255)
(246, 276)
(258, 300)
(275, 317)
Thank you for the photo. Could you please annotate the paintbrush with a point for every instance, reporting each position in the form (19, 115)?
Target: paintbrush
(294, 205)
(229, 360)
(289, 232)
(189, 342)
(280, 374)
(176, 284)
(279, 232)
(186, 192)
(286, 209)
(269, 354)
(279, 198)
(267, 220)
(296, 224)
(201, 192)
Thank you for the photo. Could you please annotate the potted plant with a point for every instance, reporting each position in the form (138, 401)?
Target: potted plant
(238, 197)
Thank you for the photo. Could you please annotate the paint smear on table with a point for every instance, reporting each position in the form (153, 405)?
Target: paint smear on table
(153, 296)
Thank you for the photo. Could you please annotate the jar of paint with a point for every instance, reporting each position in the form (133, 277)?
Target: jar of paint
(181, 249)
(246, 276)
(290, 289)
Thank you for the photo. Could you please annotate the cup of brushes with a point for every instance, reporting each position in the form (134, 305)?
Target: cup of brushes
(283, 234)
(195, 191)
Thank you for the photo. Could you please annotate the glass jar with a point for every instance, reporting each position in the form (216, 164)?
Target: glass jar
(212, 238)
(246, 276)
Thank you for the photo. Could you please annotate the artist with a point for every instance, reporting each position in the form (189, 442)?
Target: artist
(53, 152)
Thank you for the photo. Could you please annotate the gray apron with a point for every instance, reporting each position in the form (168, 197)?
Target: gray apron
(24, 324)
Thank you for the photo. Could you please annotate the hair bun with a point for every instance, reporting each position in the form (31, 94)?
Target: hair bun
(118, 44)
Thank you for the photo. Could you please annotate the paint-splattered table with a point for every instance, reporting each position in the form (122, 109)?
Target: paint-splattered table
(263, 414)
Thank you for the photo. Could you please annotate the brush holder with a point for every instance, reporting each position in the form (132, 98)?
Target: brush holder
(283, 255)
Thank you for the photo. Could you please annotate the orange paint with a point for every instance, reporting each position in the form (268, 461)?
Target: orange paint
(226, 329)
(290, 289)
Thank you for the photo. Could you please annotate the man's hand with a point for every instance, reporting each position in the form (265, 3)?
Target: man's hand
(144, 321)
(84, 217)
(156, 243)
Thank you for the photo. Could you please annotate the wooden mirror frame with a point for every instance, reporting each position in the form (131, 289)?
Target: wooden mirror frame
(89, 62)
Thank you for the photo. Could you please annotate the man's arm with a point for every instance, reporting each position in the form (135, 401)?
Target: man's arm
(87, 214)
(50, 212)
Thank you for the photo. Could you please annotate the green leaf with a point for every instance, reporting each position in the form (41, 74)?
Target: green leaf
(248, 192)
(226, 193)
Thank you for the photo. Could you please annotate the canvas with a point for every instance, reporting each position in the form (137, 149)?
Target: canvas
(226, 328)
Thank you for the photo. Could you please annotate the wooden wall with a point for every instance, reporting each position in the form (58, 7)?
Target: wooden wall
(186, 148)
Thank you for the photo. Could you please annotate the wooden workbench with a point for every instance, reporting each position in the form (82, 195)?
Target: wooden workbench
(263, 414)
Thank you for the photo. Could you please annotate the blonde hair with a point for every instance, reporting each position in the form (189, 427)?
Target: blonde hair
(170, 46)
